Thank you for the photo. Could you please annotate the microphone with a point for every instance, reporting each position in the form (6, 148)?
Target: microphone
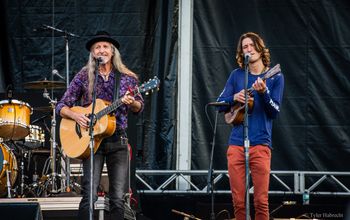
(222, 103)
(247, 58)
(55, 72)
(99, 60)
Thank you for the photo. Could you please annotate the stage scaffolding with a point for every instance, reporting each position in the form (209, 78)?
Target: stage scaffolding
(281, 182)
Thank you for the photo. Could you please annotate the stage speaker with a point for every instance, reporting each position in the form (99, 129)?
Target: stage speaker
(20, 211)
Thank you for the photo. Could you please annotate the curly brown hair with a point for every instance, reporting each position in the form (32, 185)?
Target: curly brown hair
(259, 47)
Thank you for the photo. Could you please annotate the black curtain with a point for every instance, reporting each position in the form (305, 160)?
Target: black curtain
(310, 40)
(147, 32)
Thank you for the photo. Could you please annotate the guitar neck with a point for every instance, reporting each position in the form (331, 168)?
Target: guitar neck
(268, 74)
(145, 87)
(109, 109)
(116, 104)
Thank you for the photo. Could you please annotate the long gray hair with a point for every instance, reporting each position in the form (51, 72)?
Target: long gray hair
(116, 62)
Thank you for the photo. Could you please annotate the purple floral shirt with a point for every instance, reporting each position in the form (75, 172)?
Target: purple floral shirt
(77, 94)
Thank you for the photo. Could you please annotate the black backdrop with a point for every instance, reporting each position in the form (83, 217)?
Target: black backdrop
(310, 41)
(146, 31)
(309, 38)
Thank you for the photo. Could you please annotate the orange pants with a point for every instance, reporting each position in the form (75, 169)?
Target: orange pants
(259, 165)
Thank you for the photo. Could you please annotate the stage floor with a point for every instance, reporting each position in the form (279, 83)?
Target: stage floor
(167, 207)
(59, 207)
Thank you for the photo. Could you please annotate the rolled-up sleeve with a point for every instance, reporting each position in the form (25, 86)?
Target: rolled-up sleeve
(73, 93)
(138, 97)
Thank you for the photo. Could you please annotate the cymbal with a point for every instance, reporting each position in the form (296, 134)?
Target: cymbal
(45, 84)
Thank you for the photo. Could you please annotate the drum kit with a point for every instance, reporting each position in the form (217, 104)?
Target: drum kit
(19, 139)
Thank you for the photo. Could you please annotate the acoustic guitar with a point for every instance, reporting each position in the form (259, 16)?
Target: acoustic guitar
(75, 140)
(235, 115)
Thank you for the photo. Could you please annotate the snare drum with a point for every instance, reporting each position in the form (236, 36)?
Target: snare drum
(36, 137)
(7, 162)
(14, 119)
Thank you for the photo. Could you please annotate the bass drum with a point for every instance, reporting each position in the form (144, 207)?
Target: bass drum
(7, 162)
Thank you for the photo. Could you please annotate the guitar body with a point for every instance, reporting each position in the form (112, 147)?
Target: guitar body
(76, 144)
(236, 114)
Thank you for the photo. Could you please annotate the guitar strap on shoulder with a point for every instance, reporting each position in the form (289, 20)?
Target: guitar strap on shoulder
(117, 76)
(116, 85)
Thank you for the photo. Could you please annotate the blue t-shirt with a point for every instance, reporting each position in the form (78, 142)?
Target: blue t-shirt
(266, 107)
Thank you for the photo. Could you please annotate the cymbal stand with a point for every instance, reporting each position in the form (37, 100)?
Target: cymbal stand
(21, 188)
(23, 155)
(8, 183)
(53, 142)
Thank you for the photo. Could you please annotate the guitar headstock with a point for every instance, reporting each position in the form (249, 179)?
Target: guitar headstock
(149, 85)
(273, 71)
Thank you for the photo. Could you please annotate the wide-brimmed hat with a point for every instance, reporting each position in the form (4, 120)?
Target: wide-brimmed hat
(102, 36)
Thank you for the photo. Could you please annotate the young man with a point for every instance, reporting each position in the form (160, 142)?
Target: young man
(266, 98)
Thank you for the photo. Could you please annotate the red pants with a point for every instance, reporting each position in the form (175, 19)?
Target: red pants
(259, 164)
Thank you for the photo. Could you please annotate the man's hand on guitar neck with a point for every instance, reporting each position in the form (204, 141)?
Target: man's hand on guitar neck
(240, 97)
(129, 100)
(259, 85)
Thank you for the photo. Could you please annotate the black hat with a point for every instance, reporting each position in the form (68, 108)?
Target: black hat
(101, 36)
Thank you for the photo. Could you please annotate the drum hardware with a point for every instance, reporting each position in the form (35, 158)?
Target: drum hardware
(43, 108)
(16, 182)
(8, 183)
(35, 176)
(52, 159)
(65, 167)
(23, 156)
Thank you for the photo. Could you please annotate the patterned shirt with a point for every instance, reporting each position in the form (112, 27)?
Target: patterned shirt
(78, 92)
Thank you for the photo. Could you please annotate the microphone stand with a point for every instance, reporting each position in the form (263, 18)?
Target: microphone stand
(246, 139)
(92, 142)
(66, 38)
(210, 180)
(210, 171)
(66, 35)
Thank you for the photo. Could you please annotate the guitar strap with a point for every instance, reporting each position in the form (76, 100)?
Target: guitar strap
(116, 85)
(117, 76)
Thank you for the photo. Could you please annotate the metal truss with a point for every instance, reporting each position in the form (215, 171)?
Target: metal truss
(281, 182)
